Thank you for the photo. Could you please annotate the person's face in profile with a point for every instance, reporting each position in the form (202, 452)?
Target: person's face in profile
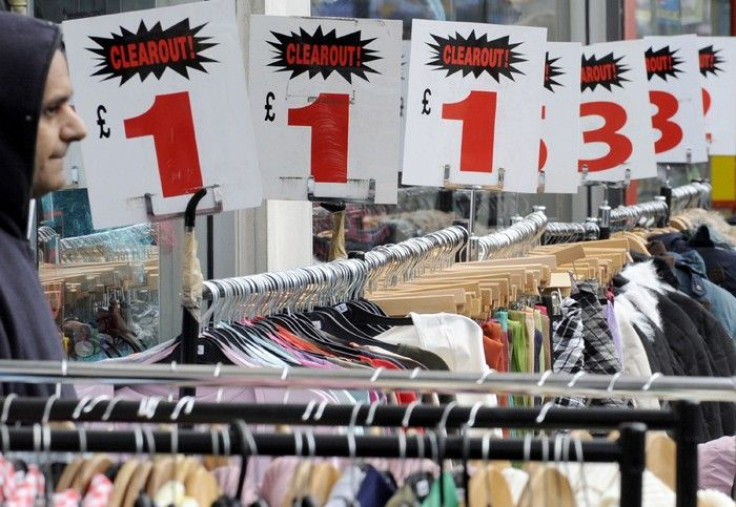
(58, 126)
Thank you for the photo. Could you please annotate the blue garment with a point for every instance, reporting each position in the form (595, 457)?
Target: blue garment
(720, 262)
(690, 272)
(376, 489)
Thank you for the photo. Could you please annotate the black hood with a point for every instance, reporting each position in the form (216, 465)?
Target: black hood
(27, 46)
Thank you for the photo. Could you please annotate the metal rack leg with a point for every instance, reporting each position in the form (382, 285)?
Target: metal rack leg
(632, 463)
(687, 454)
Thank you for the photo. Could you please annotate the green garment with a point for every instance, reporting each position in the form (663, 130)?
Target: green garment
(450, 492)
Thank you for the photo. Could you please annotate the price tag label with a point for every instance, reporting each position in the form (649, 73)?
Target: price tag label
(560, 144)
(163, 93)
(474, 105)
(328, 96)
(674, 92)
(717, 56)
(616, 135)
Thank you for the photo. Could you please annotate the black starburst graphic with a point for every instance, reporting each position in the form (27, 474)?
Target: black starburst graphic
(323, 54)
(710, 61)
(551, 71)
(605, 72)
(151, 51)
(476, 55)
(662, 63)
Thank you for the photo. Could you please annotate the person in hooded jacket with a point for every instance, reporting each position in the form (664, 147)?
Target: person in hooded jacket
(37, 124)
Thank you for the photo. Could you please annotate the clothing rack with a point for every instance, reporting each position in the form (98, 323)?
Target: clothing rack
(629, 451)
(127, 242)
(513, 241)
(561, 232)
(414, 256)
(694, 195)
(720, 389)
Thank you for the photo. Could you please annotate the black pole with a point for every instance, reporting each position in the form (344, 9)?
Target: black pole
(189, 325)
(201, 442)
(30, 410)
(687, 454)
(210, 247)
(632, 463)
(666, 191)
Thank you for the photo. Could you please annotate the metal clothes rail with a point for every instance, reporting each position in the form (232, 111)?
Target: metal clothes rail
(545, 384)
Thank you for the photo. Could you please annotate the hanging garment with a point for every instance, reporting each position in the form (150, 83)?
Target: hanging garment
(717, 465)
(456, 339)
(568, 347)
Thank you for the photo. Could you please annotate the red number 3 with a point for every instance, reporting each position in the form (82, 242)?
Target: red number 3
(671, 133)
(619, 146)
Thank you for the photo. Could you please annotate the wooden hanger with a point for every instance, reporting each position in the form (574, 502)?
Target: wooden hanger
(162, 472)
(137, 483)
(97, 464)
(661, 452)
(547, 485)
(123, 482)
(488, 487)
(202, 486)
(69, 473)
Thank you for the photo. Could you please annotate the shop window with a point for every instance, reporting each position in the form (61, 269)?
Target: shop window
(102, 285)
(423, 210)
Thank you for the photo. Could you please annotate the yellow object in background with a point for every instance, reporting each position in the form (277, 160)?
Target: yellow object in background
(723, 179)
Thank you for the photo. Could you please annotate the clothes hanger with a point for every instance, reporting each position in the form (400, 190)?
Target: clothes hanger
(137, 495)
(126, 474)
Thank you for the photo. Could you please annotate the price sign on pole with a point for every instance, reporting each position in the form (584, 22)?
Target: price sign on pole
(474, 105)
(616, 135)
(560, 144)
(328, 92)
(717, 56)
(163, 93)
(674, 92)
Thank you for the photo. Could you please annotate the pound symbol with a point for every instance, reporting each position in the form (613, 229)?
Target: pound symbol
(425, 102)
(104, 132)
(269, 115)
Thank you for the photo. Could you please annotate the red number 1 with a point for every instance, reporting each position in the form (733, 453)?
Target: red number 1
(478, 114)
(329, 118)
(169, 121)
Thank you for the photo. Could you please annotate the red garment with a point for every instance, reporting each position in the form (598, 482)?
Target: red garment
(496, 350)
(493, 346)
(403, 397)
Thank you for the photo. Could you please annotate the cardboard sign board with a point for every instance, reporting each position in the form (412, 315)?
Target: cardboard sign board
(327, 96)
(616, 135)
(164, 96)
(474, 105)
(674, 92)
(718, 80)
(560, 145)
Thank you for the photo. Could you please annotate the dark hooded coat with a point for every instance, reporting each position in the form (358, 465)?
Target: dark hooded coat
(27, 330)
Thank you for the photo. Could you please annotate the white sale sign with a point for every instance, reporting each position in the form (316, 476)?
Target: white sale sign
(328, 95)
(616, 134)
(558, 152)
(718, 81)
(163, 92)
(474, 105)
(674, 91)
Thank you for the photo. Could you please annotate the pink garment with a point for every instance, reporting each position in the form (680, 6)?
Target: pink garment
(68, 498)
(99, 492)
(717, 464)
(23, 489)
